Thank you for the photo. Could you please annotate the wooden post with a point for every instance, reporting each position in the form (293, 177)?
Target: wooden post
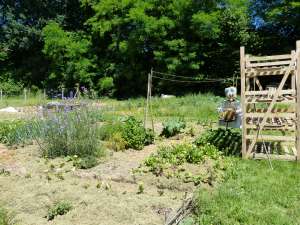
(25, 94)
(62, 93)
(150, 100)
(243, 102)
(147, 101)
(298, 99)
(1, 94)
(44, 93)
(293, 78)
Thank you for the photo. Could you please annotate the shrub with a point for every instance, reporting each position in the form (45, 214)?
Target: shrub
(172, 128)
(229, 140)
(134, 134)
(68, 134)
(128, 133)
(60, 208)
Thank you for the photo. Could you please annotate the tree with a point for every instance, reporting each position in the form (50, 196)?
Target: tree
(69, 52)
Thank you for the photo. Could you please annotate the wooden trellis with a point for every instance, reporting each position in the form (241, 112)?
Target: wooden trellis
(271, 114)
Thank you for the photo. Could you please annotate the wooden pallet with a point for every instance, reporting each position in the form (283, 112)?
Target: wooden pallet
(261, 104)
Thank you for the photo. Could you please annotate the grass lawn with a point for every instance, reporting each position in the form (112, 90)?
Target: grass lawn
(254, 194)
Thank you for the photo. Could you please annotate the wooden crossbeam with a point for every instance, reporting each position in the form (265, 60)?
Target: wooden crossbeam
(283, 92)
(256, 72)
(271, 138)
(271, 115)
(274, 157)
(264, 64)
(268, 58)
(275, 97)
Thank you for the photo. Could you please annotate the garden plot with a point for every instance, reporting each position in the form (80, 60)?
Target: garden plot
(107, 193)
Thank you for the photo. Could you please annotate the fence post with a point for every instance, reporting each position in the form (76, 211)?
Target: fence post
(1, 94)
(25, 94)
(62, 93)
(44, 93)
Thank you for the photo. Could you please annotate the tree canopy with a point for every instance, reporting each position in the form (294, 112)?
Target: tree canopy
(117, 42)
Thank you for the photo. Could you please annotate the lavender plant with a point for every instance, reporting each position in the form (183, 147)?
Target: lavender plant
(68, 134)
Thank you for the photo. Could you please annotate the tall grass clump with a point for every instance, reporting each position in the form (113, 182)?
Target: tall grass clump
(5, 219)
(13, 131)
(68, 134)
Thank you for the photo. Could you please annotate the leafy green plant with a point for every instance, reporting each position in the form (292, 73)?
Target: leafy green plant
(134, 133)
(60, 208)
(128, 133)
(86, 162)
(172, 127)
(229, 140)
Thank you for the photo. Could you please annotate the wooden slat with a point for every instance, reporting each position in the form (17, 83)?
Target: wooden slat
(271, 115)
(274, 157)
(272, 57)
(286, 128)
(256, 72)
(251, 100)
(270, 138)
(277, 63)
(283, 92)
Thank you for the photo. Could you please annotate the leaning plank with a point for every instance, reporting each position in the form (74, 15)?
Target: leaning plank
(271, 138)
(278, 63)
(273, 156)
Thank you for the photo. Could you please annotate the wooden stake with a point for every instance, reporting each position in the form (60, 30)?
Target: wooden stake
(243, 101)
(150, 100)
(147, 101)
(298, 99)
(1, 94)
(25, 94)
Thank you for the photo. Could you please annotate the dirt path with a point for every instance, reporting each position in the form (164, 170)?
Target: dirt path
(106, 194)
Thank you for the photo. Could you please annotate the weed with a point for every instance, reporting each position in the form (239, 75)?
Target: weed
(13, 132)
(86, 162)
(60, 208)
(141, 188)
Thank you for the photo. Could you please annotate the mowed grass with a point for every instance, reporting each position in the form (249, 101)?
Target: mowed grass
(254, 194)
(198, 108)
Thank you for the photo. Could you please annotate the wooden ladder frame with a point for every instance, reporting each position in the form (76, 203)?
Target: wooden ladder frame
(270, 117)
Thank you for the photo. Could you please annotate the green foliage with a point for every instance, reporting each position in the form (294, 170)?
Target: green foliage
(13, 131)
(253, 194)
(69, 53)
(125, 134)
(228, 141)
(176, 155)
(135, 134)
(68, 134)
(60, 208)
(5, 218)
(10, 87)
(86, 162)
(172, 127)
(106, 86)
